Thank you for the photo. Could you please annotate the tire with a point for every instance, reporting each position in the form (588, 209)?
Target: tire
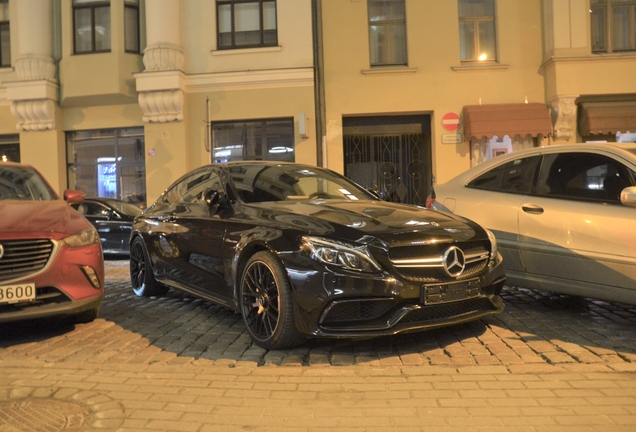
(266, 303)
(86, 316)
(141, 277)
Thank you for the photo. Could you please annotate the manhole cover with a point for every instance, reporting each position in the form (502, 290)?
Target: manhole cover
(42, 415)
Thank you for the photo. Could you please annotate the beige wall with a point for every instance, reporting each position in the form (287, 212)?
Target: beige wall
(433, 83)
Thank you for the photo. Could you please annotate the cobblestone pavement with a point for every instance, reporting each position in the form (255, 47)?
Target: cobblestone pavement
(535, 329)
(175, 363)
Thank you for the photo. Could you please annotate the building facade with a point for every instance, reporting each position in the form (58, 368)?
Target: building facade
(122, 97)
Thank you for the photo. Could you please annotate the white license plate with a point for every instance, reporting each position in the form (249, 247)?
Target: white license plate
(16, 293)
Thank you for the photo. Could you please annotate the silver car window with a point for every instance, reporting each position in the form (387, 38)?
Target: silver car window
(516, 176)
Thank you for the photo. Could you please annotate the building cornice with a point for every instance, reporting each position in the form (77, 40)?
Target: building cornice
(596, 57)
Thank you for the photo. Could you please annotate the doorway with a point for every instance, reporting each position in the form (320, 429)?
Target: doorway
(391, 155)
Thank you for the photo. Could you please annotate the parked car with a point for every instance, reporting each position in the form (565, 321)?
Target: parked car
(563, 216)
(51, 261)
(302, 251)
(113, 220)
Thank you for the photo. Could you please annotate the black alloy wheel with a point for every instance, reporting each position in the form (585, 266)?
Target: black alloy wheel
(266, 303)
(141, 277)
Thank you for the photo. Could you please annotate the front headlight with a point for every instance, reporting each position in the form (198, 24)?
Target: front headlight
(339, 254)
(493, 245)
(83, 238)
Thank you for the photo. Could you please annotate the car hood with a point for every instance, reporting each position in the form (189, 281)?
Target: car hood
(27, 219)
(388, 221)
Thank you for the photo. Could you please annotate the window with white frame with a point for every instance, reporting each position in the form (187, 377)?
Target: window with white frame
(613, 25)
(246, 23)
(387, 32)
(91, 24)
(477, 30)
(5, 39)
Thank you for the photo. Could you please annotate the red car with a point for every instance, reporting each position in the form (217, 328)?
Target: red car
(51, 261)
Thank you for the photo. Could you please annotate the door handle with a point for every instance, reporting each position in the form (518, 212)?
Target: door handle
(532, 208)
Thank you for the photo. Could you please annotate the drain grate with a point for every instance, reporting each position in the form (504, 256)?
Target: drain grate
(42, 415)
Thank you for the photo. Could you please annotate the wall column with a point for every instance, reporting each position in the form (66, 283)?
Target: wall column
(34, 96)
(161, 96)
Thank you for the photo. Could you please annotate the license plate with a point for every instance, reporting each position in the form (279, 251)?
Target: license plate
(444, 293)
(17, 293)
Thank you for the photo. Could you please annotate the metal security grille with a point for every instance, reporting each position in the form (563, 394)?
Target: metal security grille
(391, 159)
(23, 257)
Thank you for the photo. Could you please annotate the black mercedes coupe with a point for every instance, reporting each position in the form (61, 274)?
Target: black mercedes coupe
(301, 251)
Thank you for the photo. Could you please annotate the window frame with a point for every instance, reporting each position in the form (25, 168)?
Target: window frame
(92, 6)
(476, 34)
(233, 32)
(386, 23)
(5, 24)
(608, 31)
(135, 6)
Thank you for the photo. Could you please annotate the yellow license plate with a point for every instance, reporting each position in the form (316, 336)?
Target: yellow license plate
(17, 293)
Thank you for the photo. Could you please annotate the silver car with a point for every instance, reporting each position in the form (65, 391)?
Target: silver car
(564, 216)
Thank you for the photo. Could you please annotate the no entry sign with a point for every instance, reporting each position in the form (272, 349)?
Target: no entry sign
(451, 121)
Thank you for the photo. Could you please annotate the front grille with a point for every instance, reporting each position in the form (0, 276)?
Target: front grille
(447, 310)
(431, 269)
(23, 257)
(348, 311)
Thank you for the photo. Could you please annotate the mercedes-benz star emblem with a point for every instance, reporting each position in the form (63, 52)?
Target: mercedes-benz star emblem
(454, 261)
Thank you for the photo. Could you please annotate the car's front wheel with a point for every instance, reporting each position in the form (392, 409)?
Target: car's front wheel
(266, 303)
(141, 277)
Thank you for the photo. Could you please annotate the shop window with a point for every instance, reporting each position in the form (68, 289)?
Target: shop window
(5, 39)
(270, 139)
(10, 148)
(131, 26)
(246, 23)
(477, 30)
(613, 25)
(108, 163)
(91, 24)
(387, 32)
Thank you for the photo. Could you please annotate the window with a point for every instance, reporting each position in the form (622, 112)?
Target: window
(583, 177)
(246, 23)
(193, 188)
(477, 32)
(5, 39)
(387, 32)
(91, 23)
(10, 148)
(271, 139)
(108, 163)
(516, 176)
(613, 25)
(131, 26)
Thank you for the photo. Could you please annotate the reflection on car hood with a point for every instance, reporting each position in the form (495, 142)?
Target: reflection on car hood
(380, 219)
(27, 219)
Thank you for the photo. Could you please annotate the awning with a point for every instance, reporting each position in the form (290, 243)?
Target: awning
(506, 119)
(607, 117)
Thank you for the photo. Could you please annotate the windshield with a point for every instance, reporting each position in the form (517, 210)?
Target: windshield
(24, 184)
(255, 183)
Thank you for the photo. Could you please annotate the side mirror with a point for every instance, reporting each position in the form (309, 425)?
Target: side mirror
(73, 196)
(628, 196)
(375, 193)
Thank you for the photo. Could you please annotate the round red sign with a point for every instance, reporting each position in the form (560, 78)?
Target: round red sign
(451, 121)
